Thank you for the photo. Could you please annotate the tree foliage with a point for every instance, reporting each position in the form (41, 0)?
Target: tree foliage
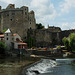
(70, 42)
(66, 42)
(4, 30)
(2, 48)
(39, 26)
(30, 40)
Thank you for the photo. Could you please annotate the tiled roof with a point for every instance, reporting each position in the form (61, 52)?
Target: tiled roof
(1, 35)
(8, 31)
(22, 43)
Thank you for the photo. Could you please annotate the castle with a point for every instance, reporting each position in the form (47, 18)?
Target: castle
(22, 22)
(18, 20)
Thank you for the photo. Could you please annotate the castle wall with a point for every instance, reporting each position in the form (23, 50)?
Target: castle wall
(43, 38)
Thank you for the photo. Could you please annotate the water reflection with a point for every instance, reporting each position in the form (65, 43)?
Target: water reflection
(64, 67)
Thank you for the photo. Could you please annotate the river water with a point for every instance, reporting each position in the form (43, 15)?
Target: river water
(50, 67)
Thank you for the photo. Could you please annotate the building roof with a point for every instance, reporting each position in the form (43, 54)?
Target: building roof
(1, 36)
(8, 31)
(21, 43)
(15, 34)
(31, 12)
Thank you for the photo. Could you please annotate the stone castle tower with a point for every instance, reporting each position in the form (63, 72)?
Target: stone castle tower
(19, 20)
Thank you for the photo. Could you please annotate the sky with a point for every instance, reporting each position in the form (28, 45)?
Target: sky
(59, 13)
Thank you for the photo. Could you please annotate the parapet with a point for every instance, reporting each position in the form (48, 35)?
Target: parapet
(31, 12)
(54, 29)
(10, 6)
(23, 7)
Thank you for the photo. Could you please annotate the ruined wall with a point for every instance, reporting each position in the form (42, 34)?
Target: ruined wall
(54, 29)
(44, 38)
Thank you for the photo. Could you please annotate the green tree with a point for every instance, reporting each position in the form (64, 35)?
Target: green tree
(4, 30)
(72, 41)
(66, 42)
(30, 40)
(39, 26)
(2, 48)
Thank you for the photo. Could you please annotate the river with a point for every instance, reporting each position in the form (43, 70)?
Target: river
(50, 67)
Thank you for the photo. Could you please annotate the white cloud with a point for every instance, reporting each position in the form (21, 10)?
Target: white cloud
(67, 25)
(44, 10)
(67, 5)
(7, 1)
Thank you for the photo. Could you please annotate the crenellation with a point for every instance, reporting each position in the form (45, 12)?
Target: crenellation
(11, 6)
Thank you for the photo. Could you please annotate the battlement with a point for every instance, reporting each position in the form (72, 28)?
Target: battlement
(11, 6)
(54, 29)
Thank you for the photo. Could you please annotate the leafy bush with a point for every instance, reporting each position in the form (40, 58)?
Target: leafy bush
(2, 48)
(70, 42)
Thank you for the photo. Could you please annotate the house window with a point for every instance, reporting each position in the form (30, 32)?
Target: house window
(7, 34)
(1, 39)
(25, 13)
(17, 39)
(7, 38)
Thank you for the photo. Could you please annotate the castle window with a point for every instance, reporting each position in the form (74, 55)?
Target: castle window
(11, 19)
(1, 39)
(30, 22)
(30, 28)
(30, 19)
(7, 14)
(13, 13)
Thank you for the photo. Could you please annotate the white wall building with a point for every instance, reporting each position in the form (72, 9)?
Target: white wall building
(12, 40)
